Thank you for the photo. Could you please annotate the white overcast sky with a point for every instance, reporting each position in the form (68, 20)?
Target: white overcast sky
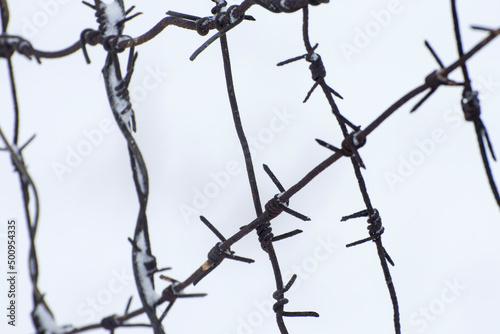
(441, 220)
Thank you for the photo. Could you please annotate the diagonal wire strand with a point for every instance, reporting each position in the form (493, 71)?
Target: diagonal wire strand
(479, 127)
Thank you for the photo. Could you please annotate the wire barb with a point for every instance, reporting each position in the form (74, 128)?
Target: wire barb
(223, 21)
(435, 79)
(375, 227)
(273, 178)
(212, 228)
(490, 30)
(10, 44)
(350, 146)
(317, 68)
(216, 255)
(112, 322)
(275, 206)
(434, 54)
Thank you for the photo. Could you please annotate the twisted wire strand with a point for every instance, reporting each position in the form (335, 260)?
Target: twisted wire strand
(117, 96)
(113, 44)
(264, 229)
(29, 192)
(351, 143)
(472, 110)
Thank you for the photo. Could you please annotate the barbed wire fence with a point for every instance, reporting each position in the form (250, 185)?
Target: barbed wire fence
(110, 35)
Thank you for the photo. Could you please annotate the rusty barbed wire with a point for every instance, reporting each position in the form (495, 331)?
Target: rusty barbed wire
(216, 255)
(225, 21)
(472, 110)
(41, 313)
(144, 264)
(110, 36)
(349, 148)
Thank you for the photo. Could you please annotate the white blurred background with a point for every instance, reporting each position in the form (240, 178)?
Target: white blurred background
(424, 171)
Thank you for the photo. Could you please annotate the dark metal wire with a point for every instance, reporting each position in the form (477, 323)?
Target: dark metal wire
(28, 189)
(264, 230)
(216, 255)
(472, 110)
(223, 22)
(352, 142)
(118, 96)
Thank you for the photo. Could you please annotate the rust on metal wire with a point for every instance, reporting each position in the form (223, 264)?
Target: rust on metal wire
(222, 20)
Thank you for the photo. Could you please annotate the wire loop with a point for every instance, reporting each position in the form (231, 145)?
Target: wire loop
(202, 25)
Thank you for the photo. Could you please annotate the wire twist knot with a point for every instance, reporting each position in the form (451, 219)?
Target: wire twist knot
(288, 6)
(317, 67)
(278, 307)
(112, 43)
(280, 302)
(224, 19)
(202, 25)
(169, 293)
(6, 48)
(470, 105)
(265, 233)
(318, 71)
(110, 322)
(216, 254)
(435, 79)
(275, 206)
(352, 143)
(375, 228)
(279, 295)
(220, 5)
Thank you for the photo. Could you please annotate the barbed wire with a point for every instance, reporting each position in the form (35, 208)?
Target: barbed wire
(111, 18)
(471, 107)
(41, 311)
